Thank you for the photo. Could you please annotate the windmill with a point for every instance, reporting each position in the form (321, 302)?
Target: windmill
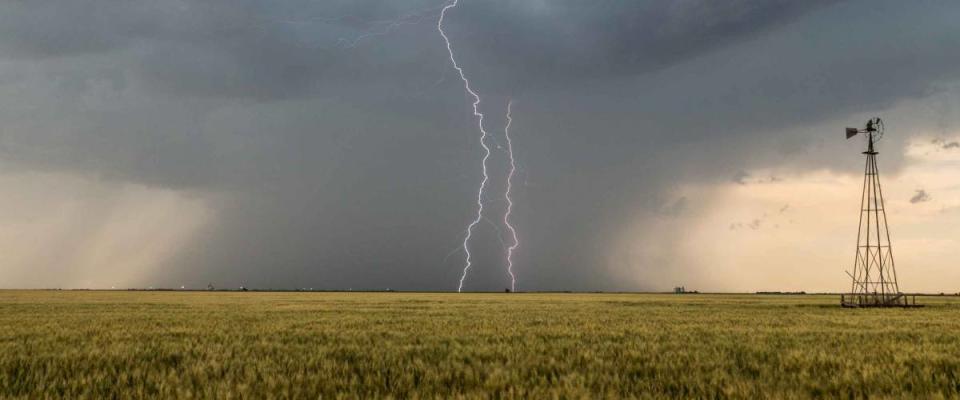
(874, 271)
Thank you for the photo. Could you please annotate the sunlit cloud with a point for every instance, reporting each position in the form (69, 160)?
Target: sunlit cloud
(798, 232)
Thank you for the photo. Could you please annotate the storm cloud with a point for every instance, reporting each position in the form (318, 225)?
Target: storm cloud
(355, 166)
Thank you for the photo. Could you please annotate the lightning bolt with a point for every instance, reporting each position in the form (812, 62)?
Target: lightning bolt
(506, 216)
(483, 138)
(388, 26)
(515, 242)
(371, 29)
(385, 27)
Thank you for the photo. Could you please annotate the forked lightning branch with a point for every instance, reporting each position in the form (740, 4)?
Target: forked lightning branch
(484, 135)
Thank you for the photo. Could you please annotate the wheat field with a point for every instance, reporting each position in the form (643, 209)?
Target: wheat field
(79, 344)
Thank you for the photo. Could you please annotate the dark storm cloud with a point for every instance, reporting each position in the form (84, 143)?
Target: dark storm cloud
(226, 48)
(921, 196)
(945, 145)
(356, 167)
(555, 41)
(256, 49)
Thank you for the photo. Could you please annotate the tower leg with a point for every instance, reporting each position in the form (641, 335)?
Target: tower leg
(874, 273)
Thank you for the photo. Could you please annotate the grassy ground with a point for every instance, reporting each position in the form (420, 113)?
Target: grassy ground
(330, 345)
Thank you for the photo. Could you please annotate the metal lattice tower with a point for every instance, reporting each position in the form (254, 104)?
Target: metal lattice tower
(874, 272)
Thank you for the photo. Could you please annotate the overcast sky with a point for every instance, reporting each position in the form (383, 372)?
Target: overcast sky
(331, 144)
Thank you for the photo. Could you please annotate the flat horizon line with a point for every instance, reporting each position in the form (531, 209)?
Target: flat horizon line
(758, 293)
